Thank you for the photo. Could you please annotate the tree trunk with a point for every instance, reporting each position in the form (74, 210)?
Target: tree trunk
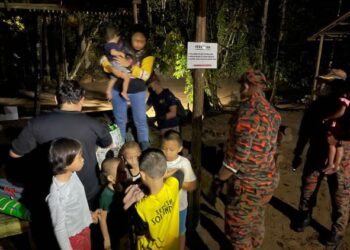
(263, 34)
(56, 44)
(46, 46)
(277, 58)
(84, 54)
(39, 54)
(149, 14)
(64, 66)
(340, 3)
(198, 96)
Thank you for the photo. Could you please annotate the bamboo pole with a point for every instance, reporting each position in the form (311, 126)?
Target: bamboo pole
(198, 101)
(319, 55)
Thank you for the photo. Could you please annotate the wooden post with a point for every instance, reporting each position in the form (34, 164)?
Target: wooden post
(319, 55)
(63, 50)
(39, 55)
(198, 101)
(135, 10)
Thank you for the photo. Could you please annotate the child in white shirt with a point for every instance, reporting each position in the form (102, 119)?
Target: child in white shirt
(172, 146)
(67, 202)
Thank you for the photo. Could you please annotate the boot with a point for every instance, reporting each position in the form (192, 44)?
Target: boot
(333, 239)
(303, 221)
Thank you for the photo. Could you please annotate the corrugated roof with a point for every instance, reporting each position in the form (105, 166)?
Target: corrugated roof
(338, 30)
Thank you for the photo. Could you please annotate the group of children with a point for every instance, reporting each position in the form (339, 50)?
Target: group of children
(144, 199)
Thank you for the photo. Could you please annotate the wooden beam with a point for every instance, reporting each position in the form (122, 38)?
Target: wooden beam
(32, 6)
(329, 27)
(49, 7)
(198, 102)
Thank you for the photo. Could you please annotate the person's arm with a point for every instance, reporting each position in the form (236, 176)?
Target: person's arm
(104, 230)
(143, 71)
(179, 175)
(339, 113)
(190, 179)
(58, 220)
(239, 145)
(189, 185)
(24, 143)
(117, 53)
(303, 137)
(104, 138)
(172, 112)
(108, 68)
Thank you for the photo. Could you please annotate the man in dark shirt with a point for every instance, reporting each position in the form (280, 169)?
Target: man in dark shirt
(165, 106)
(313, 132)
(68, 121)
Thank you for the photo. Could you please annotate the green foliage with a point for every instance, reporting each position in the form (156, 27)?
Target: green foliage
(172, 60)
(15, 23)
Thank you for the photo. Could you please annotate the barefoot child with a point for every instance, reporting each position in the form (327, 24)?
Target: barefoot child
(156, 216)
(67, 201)
(112, 221)
(172, 146)
(115, 48)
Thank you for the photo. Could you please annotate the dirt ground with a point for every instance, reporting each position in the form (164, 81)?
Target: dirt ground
(283, 207)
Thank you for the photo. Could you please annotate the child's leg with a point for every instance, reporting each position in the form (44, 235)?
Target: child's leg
(331, 155)
(338, 156)
(183, 216)
(124, 92)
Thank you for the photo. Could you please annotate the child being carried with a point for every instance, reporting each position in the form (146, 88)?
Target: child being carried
(115, 47)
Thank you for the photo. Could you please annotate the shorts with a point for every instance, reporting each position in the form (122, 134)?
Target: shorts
(81, 241)
(183, 216)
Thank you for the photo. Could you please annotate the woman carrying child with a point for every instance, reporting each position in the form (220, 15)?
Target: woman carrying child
(141, 68)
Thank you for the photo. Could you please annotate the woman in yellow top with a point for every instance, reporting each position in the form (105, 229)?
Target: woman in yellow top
(141, 68)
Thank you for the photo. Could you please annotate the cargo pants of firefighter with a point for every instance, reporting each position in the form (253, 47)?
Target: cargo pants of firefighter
(339, 187)
(244, 215)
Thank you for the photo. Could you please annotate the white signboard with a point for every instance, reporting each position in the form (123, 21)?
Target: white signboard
(202, 55)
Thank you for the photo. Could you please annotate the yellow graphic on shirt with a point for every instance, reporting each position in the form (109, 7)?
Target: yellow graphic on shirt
(161, 212)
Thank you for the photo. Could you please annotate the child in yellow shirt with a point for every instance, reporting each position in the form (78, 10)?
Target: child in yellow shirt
(156, 215)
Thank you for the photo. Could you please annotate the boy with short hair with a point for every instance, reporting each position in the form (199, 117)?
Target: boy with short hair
(130, 153)
(172, 146)
(156, 216)
(112, 172)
